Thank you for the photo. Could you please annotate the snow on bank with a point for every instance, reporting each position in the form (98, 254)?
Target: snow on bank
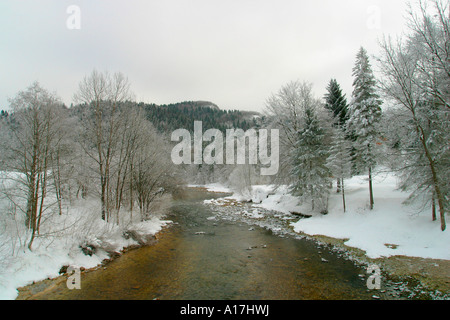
(212, 187)
(49, 255)
(391, 228)
(60, 242)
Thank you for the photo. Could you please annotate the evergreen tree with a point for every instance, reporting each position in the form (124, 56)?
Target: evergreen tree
(312, 177)
(336, 102)
(365, 113)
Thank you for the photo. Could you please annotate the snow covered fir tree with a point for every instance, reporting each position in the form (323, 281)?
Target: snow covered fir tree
(364, 116)
(312, 177)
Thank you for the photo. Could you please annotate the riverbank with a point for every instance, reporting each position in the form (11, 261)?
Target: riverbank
(203, 256)
(413, 277)
(40, 290)
(410, 249)
(75, 239)
(137, 236)
(408, 277)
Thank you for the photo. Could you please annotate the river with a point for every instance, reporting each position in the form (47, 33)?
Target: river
(209, 252)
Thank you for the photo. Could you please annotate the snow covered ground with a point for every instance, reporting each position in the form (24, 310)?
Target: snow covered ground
(213, 187)
(59, 242)
(391, 228)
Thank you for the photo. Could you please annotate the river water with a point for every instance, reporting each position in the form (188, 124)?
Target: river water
(210, 252)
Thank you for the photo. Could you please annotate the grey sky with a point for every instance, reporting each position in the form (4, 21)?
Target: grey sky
(233, 53)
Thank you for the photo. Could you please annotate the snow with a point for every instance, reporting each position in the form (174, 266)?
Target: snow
(391, 228)
(278, 199)
(254, 214)
(270, 197)
(212, 187)
(60, 240)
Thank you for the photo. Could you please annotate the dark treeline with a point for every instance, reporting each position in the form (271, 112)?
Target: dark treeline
(180, 115)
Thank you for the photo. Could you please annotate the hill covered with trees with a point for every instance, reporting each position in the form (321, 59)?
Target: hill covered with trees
(174, 116)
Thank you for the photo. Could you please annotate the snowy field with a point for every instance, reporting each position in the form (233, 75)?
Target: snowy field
(59, 242)
(391, 228)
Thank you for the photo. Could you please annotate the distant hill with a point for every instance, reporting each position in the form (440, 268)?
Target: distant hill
(183, 114)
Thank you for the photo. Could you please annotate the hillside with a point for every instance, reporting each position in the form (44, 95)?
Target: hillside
(183, 114)
(169, 117)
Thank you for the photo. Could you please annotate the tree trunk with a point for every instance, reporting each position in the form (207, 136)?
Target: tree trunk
(437, 189)
(370, 189)
(343, 194)
(433, 207)
(103, 198)
(131, 188)
(57, 181)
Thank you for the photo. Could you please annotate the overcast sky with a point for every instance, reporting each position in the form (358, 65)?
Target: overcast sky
(233, 53)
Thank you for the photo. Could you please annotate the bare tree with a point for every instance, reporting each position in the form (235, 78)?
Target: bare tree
(133, 138)
(416, 78)
(153, 174)
(36, 136)
(103, 94)
(430, 38)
